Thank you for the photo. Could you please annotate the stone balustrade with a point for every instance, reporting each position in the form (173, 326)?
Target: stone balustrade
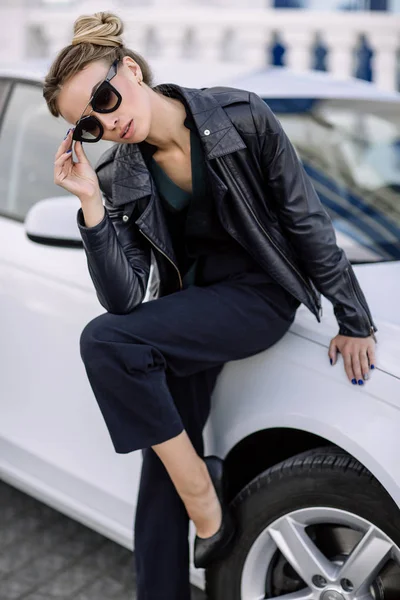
(232, 34)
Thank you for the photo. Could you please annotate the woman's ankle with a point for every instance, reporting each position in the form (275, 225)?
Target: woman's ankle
(205, 511)
(209, 523)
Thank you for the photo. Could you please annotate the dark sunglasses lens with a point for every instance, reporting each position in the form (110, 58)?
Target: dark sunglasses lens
(89, 129)
(105, 99)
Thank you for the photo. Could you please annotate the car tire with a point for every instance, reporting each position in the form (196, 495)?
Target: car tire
(323, 477)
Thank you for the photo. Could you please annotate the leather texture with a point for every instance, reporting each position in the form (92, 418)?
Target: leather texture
(216, 547)
(263, 197)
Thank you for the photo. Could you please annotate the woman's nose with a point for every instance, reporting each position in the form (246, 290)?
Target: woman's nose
(110, 122)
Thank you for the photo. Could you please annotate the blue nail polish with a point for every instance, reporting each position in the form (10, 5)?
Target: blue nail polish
(360, 382)
(330, 360)
(354, 381)
(68, 151)
(372, 366)
(67, 134)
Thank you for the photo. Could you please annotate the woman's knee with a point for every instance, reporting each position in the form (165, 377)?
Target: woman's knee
(110, 337)
(97, 330)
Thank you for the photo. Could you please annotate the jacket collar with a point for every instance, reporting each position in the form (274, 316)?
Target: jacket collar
(131, 177)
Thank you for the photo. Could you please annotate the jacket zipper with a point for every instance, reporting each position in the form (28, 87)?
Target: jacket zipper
(166, 256)
(279, 250)
(371, 328)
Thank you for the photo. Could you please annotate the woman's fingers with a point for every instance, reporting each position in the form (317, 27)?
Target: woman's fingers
(63, 158)
(80, 153)
(65, 144)
(364, 364)
(358, 376)
(348, 365)
(358, 356)
(59, 167)
(332, 353)
(371, 356)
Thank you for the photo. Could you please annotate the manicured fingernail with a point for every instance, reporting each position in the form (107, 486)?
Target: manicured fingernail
(330, 360)
(68, 151)
(354, 381)
(366, 376)
(360, 382)
(67, 134)
(372, 366)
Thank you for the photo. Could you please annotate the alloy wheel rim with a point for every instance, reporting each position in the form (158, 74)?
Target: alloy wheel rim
(355, 576)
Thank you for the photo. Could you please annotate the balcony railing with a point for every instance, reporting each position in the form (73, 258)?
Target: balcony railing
(248, 37)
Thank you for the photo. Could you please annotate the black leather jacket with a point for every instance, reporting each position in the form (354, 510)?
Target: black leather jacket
(263, 197)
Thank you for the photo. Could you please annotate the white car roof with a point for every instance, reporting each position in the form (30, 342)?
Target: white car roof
(268, 82)
(280, 82)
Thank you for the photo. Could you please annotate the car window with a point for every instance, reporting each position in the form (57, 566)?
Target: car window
(353, 159)
(29, 139)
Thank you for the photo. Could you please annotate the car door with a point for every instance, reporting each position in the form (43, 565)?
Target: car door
(53, 441)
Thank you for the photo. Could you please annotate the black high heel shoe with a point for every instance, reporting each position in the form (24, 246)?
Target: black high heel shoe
(207, 550)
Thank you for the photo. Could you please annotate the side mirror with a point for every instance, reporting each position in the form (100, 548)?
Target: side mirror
(53, 222)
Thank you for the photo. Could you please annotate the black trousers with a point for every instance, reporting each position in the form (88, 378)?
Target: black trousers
(152, 372)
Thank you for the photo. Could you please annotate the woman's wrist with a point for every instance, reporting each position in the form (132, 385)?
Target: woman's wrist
(93, 210)
(93, 199)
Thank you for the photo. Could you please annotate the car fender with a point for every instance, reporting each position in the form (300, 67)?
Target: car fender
(293, 385)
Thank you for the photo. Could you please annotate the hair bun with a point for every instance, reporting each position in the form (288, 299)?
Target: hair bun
(102, 29)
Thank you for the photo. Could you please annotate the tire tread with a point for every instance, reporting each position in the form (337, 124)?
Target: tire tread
(324, 458)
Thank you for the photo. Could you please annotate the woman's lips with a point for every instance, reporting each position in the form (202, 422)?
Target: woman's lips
(129, 132)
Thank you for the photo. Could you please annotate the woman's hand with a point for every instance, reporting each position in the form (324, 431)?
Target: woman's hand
(358, 356)
(78, 178)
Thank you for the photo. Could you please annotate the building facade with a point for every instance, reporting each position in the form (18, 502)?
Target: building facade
(356, 38)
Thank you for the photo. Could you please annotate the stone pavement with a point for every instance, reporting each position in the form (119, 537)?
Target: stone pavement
(44, 555)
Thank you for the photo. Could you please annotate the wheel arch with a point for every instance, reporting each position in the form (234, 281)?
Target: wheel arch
(262, 449)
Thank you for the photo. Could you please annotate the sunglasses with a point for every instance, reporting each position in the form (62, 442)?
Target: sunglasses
(105, 99)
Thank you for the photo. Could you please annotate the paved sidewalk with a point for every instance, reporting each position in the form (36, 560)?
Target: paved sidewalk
(44, 555)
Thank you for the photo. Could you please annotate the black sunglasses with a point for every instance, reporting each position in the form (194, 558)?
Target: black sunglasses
(105, 99)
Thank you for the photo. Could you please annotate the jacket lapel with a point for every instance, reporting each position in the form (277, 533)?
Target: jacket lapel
(216, 130)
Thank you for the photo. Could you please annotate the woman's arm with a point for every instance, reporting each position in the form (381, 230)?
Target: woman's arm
(308, 225)
(118, 260)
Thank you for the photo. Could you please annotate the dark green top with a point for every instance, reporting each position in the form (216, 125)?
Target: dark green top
(177, 201)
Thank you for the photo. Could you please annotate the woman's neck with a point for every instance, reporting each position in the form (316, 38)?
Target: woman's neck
(167, 130)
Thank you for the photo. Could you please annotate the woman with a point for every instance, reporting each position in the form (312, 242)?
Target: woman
(207, 183)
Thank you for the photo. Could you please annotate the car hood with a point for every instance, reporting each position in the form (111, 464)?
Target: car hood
(380, 283)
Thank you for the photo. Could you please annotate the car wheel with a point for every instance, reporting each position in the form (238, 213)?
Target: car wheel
(316, 526)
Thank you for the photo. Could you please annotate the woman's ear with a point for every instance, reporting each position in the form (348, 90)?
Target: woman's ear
(134, 68)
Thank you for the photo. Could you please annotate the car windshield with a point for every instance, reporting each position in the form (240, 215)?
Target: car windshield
(352, 156)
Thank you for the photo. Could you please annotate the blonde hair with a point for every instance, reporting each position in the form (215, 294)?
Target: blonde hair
(97, 37)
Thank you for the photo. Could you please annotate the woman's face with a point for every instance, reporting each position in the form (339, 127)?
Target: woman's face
(135, 104)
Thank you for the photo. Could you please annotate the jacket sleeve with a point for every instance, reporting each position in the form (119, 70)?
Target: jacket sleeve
(307, 224)
(118, 260)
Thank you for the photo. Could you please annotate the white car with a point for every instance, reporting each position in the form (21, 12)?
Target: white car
(313, 461)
